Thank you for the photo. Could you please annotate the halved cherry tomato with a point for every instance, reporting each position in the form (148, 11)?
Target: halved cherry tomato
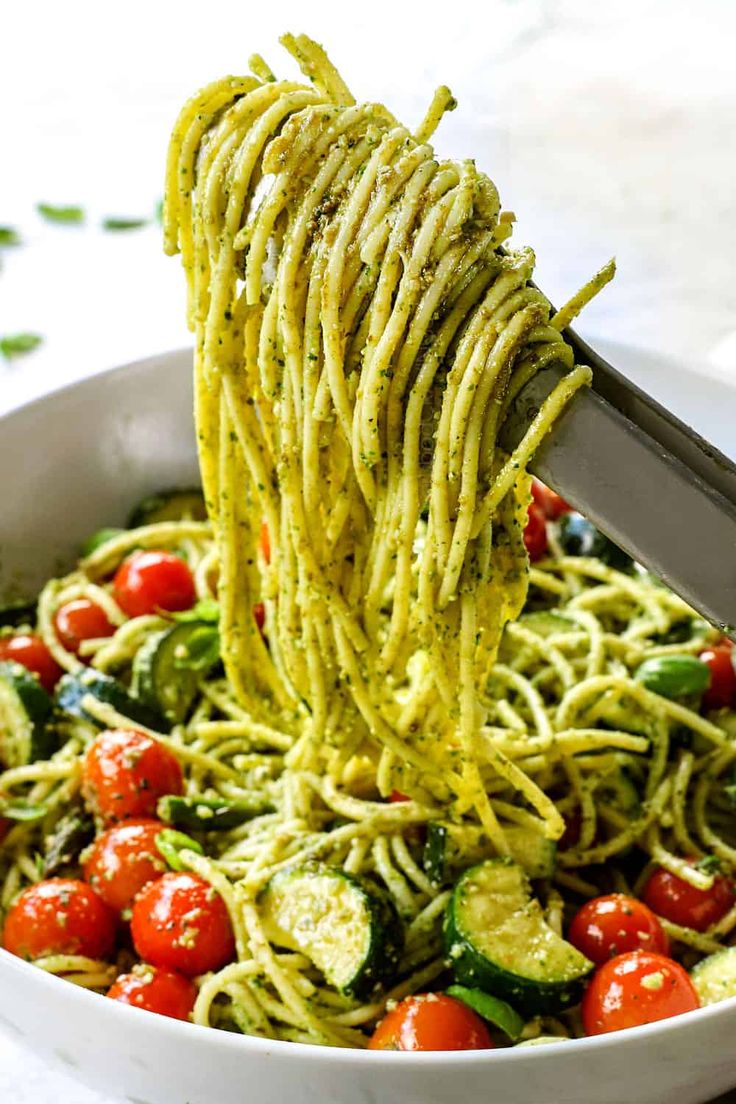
(59, 916)
(548, 500)
(265, 542)
(535, 533)
(125, 772)
(155, 990)
(636, 988)
(431, 1021)
(81, 620)
(29, 650)
(721, 694)
(123, 860)
(181, 923)
(609, 926)
(676, 900)
(147, 582)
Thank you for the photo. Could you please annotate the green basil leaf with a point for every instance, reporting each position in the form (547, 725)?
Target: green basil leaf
(9, 236)
(112, 222)
(53, 212)
(19, 344)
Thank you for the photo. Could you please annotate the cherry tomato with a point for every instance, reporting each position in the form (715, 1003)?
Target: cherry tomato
(148, 582)
(30, 651)
(431, 1021)
(548, 500)
(676, 900)
(155, 990)
(123, 860)
(609, 926)
(59, 916)
(265, 542)
(636, 988)
(181, 923)
(259, 613)
(125, 772)
(81, 620)
(535, 534)
(721, 694)
(397, 795)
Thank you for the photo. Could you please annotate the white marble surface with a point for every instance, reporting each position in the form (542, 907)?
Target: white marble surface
(608, 128)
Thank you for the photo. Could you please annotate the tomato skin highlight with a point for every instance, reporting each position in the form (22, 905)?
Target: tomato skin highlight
(676, 900)
(431, 1021)
(612, 925)
(29, 650)
(155, 990)
(535, 533)
(59, 916)
(81, 620)
(123, 860)
(148, 582)
(125, 772)
(550, 503)
(180, 923)
(634, 989)
(721, 694)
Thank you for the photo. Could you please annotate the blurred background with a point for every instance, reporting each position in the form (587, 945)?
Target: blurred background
(608, 129)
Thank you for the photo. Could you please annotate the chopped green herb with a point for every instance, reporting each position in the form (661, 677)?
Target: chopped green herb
(709, 864)
(53, 213)
(9, 236)
(115, 223)
(13, 345)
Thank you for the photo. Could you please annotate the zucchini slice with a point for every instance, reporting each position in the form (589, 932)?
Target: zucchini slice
(209, 814)
(25, 711)
(73, 688)
(71, 834)
(497, 939)
(451, 848)
(715, 977)
(163, 678)
(176, 504)
(348, 927)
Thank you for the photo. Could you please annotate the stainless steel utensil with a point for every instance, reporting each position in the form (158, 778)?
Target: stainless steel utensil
(648, 481)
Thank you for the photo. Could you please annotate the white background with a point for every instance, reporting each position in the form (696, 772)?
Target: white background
(608, 127)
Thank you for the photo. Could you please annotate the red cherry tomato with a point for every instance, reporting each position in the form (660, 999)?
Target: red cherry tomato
(30, 651)
(397, 795)
(676, 900)
(535, 534)
(721, 693)
(431, 1021)
(548, 500)
(181, 923)
(81, 620)
(636, 988)
(59, 916)
(265, 542)
(155, 990)
(609, 926)
(123, 860)
(125, 772)
(148, 582)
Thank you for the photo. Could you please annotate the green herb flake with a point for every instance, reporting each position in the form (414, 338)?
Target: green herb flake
(9, 236)
(55, 213)
(113, 222)
(19, 344)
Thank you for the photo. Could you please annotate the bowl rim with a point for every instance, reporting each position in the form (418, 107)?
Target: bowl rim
(314, 1052)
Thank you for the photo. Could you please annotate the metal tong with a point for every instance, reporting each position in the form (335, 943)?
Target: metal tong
(648, 481)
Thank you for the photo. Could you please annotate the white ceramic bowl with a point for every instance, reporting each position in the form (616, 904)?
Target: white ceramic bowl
(96, 448)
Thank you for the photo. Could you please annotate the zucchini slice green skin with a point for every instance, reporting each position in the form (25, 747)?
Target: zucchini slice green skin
(71, 834)
(206, 814)
(25, 713)
(491, 1008)
(73, 688)
(451, 848)
(714, 977)
(176, 504)
(496, 939)
(346, 925)
(160, 680)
